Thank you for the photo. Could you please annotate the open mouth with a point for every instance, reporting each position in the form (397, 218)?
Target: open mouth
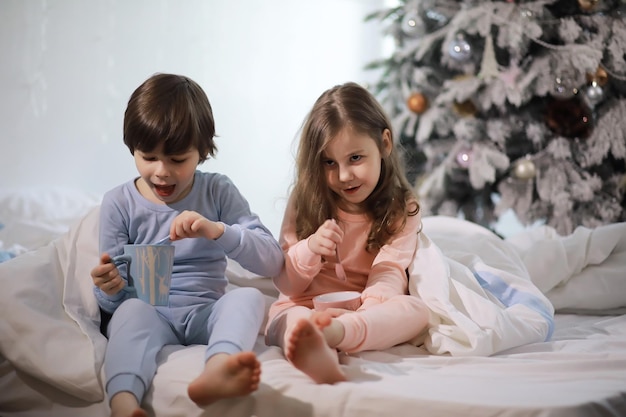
(164, 190)
(351, 190)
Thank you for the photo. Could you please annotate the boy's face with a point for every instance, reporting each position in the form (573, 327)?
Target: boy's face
(165, 179)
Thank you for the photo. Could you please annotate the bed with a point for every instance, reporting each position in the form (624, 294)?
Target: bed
(51, 348)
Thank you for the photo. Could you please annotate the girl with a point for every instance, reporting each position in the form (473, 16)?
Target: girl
(169, 130)
(349, 198)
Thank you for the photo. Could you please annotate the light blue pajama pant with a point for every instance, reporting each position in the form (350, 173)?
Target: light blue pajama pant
(137, 332)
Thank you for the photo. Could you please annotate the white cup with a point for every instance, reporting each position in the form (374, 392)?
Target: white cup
(348, 300)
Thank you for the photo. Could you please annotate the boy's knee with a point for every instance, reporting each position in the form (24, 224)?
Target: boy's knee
(133, 307)
(248, 293)
(252, 298)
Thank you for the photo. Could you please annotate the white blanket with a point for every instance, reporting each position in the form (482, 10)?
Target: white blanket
(487, 295)
(50, 326)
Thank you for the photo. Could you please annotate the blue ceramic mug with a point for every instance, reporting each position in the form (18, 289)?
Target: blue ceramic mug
(149, 271)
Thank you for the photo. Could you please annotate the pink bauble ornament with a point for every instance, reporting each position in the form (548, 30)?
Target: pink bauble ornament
(464, 157)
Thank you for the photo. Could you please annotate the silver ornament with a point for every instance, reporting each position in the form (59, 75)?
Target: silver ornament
(436, 19)
(460, 49)
(412, 24)
(435, 15)
(594, 94)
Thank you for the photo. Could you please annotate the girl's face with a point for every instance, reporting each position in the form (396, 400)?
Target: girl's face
(165, 179)
(352, 163)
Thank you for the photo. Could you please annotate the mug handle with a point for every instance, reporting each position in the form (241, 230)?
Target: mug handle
(126, 259)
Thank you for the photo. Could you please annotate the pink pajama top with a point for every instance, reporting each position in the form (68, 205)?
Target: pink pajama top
(380, 277)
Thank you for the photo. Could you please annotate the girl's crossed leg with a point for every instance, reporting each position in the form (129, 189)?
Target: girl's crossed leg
(310, 339)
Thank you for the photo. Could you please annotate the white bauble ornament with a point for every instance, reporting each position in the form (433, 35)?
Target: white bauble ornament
(524, 169)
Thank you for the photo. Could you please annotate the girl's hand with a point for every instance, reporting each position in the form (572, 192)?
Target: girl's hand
(192, 224)
(106, 276)
(324, 241)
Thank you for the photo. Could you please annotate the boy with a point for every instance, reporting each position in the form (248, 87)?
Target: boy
(169, 130)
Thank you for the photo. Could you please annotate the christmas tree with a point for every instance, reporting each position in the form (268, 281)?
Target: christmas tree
(514, 105)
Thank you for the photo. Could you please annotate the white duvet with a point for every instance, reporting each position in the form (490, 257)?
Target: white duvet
(481, 298)
(487, 295)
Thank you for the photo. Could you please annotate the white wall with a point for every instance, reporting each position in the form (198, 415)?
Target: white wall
(69, 66)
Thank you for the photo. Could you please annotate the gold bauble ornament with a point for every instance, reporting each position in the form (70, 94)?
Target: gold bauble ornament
(465, 109)
(587, 5)
(600, 77)
(462, 77)
(524, 169)
(622, 183)
(417, 103)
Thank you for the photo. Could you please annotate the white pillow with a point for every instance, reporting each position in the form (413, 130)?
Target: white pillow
(582, 272)
(239, 276)
(33, 217)
(50, 319)
(58, 205)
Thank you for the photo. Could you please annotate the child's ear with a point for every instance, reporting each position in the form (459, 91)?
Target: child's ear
(387, 142)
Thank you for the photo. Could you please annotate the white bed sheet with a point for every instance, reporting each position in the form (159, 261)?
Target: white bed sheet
(581, 371)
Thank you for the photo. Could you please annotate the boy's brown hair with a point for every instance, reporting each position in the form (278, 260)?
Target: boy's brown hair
(172, 110)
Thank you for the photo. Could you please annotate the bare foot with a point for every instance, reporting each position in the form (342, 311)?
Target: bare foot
(124, 404)
(226, 376)
(307, 350)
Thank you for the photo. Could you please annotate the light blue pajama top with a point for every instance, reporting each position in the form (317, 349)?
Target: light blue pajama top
(126, 217)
